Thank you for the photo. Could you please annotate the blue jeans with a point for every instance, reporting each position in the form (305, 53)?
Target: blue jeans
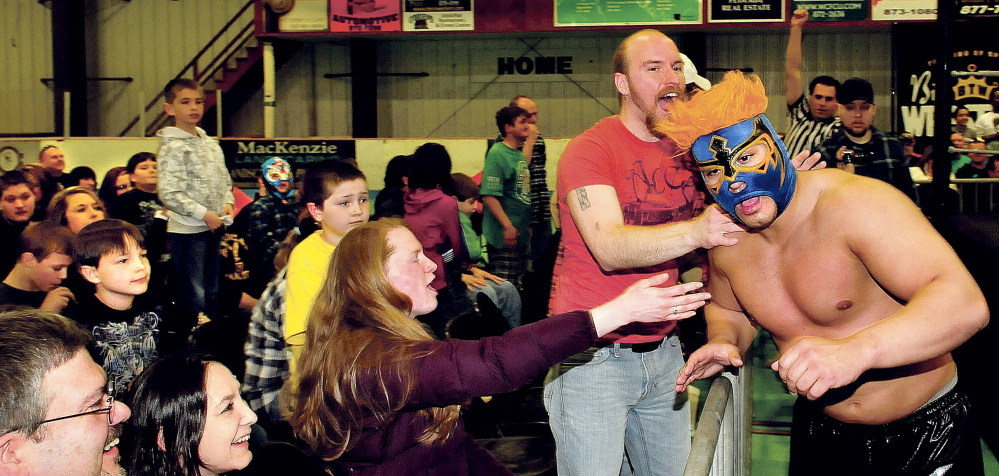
(196, 270)
(618, 401)
(505, 296)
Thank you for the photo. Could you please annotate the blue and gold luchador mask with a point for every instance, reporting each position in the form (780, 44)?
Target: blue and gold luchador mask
(277, 170)
(749, 152)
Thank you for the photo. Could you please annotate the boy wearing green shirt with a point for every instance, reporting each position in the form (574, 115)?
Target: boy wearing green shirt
(506, 195)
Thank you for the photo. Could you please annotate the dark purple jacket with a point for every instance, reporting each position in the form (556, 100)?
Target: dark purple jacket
(452, 372)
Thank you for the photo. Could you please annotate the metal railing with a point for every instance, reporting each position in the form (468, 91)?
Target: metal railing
(235, 33)
(973, 196)
(721, 445)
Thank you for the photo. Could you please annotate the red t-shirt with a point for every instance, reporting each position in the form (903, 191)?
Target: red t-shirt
(655, 185)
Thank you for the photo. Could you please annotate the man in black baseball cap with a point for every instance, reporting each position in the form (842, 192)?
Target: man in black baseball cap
(861, 148)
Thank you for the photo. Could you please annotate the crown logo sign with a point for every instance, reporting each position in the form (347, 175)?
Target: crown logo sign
(972, 87)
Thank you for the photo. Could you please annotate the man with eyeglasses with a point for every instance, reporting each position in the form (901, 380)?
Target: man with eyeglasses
(861, 148)
(56, 416)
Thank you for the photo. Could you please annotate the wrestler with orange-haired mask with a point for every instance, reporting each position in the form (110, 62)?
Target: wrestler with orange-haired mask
(826, 264)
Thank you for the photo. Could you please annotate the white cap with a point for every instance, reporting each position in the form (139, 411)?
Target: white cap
(691, 76)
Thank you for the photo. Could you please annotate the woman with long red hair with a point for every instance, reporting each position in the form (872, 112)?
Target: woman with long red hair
(377, 395)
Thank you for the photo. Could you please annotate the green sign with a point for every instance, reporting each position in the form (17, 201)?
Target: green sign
(626, 12)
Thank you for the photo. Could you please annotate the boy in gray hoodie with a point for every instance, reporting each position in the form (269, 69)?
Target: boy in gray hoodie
(195, 186)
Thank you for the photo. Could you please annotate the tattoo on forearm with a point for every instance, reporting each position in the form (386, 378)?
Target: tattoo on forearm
(584, 201)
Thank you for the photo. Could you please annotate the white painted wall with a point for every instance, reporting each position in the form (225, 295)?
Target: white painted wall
(463, 91)
(26, 57)
(149, 41)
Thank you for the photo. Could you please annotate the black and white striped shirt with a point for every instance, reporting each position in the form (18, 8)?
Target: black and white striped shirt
(806, 133)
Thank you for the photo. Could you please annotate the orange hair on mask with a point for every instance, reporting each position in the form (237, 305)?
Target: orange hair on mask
(736, 98)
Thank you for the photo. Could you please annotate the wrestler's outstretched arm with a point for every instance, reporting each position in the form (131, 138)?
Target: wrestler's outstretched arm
(597, 213)
(729, 333)
(911, 261)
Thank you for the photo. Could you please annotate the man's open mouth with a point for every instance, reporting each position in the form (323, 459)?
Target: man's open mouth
(667, 99)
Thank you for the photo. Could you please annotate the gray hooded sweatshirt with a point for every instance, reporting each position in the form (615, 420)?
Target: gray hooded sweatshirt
(193, 178)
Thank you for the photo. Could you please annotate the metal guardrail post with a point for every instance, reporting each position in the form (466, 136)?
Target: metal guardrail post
(141, 130)
(270, 87)
(218, 113)
(709, 428)
(721, 445)
(65, 115)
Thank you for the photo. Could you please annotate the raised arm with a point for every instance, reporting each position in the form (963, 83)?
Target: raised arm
(792, 58)
(596, 211)
(911, 261)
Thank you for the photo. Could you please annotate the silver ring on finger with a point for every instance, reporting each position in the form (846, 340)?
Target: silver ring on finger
(676, 309)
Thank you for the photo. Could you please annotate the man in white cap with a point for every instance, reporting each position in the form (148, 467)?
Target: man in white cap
(695, 82)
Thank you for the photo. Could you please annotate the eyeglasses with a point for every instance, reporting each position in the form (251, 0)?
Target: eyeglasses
(110, 406)
(109, 409)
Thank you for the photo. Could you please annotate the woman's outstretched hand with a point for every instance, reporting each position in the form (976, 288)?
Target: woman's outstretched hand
(645, 301)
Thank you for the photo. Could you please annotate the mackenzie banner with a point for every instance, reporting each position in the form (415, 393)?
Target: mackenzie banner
(243, 157)
(916, 48)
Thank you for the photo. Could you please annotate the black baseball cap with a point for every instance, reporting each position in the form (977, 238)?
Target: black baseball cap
(854, 89)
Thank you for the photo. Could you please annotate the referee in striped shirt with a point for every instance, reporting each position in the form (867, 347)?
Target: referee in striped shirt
(813, 120)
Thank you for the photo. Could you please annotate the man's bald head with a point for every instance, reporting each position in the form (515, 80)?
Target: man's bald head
(621, 54)
(52, 158)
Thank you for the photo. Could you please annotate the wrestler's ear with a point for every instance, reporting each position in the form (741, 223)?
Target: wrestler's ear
(621, 83)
